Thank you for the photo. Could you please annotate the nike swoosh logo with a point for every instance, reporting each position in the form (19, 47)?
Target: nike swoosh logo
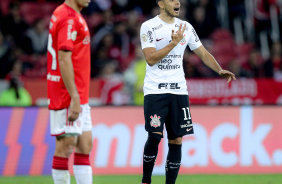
(159, 39)
(188, 129)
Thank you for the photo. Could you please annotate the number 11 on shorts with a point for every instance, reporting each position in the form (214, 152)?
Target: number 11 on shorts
(185, 115)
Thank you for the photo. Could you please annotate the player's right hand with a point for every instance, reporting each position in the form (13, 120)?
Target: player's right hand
(176, 38)
(74, 108)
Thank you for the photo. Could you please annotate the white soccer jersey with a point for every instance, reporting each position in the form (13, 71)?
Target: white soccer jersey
(167, 76)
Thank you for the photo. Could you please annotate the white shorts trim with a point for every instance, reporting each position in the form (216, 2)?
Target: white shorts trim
(59, 125)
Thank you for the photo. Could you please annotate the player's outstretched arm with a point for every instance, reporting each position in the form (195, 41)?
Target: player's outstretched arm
(210, 61)
(152, 56)
(67, 73)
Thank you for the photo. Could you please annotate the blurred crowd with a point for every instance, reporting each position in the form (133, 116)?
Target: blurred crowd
(243, 35)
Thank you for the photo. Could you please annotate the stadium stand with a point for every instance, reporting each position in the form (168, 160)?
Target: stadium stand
(236, 28)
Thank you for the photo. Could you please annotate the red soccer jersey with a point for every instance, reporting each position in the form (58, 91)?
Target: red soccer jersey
(68, 31)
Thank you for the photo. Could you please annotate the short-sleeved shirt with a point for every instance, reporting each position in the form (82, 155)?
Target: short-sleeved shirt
(167, 76)
(68, 31)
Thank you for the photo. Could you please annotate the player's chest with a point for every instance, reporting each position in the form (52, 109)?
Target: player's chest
(83, 35)
(163, 36)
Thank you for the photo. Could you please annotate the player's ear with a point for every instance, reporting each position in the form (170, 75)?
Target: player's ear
(161, 4)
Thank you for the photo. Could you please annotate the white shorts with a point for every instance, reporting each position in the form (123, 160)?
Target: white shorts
(59, 125)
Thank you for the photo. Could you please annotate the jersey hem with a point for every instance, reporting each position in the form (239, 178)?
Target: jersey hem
(58, 134)
(165, 93)
(196, 47)
(61, 108)
(66, 48)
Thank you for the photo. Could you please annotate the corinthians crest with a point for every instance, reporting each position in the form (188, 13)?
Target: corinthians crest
(183, 41)
(155, 122)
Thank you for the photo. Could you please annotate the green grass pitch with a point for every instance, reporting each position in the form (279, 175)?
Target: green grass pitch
(135, 179)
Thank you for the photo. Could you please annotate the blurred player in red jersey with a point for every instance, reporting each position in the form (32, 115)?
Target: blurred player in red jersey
(68, 79)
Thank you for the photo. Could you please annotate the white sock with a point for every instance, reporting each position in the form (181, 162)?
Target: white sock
(61, 176)
(83, 174)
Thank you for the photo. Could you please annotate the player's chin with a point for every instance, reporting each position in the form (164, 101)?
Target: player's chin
(176, 14)
(85, 5)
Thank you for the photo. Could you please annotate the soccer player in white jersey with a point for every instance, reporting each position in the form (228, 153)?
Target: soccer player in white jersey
(164, 39)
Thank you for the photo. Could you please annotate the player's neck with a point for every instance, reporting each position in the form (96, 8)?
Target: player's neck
(166, 18)
(73, 5)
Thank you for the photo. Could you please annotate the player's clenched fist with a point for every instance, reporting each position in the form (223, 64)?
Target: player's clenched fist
(176, 38)
(74, 109)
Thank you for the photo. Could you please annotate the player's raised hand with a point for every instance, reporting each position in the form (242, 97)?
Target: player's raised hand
(176, 38)
(227, 75)
(74, 108)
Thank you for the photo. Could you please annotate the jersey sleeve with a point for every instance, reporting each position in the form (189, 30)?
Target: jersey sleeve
(147, 37)
(67, 33)
(194, 41)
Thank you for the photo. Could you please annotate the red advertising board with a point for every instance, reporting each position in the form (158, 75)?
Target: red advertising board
(201, 91)
(239, 92)
(227, 140)
(239, 140)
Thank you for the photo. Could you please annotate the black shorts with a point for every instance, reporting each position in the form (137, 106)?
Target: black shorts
(171, 110)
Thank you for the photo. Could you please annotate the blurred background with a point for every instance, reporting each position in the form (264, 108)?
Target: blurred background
(243, 35)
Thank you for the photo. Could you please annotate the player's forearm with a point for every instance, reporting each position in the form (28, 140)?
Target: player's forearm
(156, 56)
(210, 61)
(67, 73)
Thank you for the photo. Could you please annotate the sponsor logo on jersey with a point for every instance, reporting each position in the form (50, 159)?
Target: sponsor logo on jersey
(196, 36)
(157, 27)
(150, 36)
(69, 33)
(186, 125)
(159, 39)
(186, 29)
(144, 38)
(86, 40)
(53, 78)
(73, 35)
(70, 21)
(176, 25)
(173, 56)
(155, 122)
(168, 86)
(165, 64)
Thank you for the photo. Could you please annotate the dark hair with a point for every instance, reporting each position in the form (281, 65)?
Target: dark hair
(14, 5)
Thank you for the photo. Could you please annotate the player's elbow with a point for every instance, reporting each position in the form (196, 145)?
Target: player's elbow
(150, 61)
(64, 57)
(62, 61)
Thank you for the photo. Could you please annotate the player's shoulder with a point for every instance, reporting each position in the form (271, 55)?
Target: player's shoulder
(179, 21)
(150, 23)
(64, 12)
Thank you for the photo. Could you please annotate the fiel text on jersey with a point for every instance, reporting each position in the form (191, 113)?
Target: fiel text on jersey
(168, 86)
